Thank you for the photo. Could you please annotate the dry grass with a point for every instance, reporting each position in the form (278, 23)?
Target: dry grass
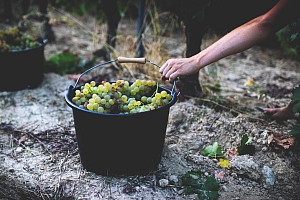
(127, 40)
(153, 41)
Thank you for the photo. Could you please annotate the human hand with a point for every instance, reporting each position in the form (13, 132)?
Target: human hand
(177, 67)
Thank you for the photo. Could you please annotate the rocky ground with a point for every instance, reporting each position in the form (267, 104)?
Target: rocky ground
(39, 155)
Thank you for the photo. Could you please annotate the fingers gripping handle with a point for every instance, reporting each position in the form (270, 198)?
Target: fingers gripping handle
(143, 61)
(131, 60)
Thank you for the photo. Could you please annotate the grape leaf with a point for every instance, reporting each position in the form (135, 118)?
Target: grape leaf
(211, 184)
(296, 98)
(193, 183)
(296, 94)
(213, 151)
(244, 148)
(295, 131)
(192, 178)
(207, 195)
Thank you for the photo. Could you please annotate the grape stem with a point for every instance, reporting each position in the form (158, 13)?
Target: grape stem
(155, 90)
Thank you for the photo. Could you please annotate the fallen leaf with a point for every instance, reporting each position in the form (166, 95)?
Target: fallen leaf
(220, 177)
(250, 82)
(278, 141)
(224, 163)
(22, 139)
(232, 153)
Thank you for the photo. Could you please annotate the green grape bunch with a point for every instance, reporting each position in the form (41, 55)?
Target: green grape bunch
(121, 97)
(13, 39)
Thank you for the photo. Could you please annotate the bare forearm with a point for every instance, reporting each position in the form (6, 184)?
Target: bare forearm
(238, 40)
(250, 34)
(234, 42)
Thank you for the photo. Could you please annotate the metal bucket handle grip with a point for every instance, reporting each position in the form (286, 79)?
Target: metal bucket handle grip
(125, 60)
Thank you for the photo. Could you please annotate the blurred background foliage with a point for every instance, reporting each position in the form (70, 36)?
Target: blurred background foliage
(220, 15)
(128, 8)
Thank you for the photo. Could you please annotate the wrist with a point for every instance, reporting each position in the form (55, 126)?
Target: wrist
(198, 59)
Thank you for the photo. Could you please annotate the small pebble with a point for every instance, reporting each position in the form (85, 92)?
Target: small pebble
(234, 175)
(181, 191)
(264, 149)
(11, 170)
(174, 178)
(224, 188)
(163, 183)
(19, 149)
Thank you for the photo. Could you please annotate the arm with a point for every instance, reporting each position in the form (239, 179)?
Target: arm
(238, 40)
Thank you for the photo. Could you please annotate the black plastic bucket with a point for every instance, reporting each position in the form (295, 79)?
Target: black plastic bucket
(111, 144)
(22, 69)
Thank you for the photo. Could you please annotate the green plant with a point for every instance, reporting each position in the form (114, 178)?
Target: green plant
(289, 38)
(213, 151)
(67, 63)
(244, 147)
(296, 99)
(295, 131)
(205, 189)
(13, 39)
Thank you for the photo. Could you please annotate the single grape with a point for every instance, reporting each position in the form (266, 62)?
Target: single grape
(77, 92)
(107, 97)
(157, 95)
(74, 99)
(90, 106)
(124, 98)
(97, 99)
(107, 105)
(92, 83)
(165, 101)
(144, 99)
(92, 101)
(111, 102)
(87, 85)
(163, 93)
(85, 91)
(78, 102)
(83, 99)
(169, 97)
(105, 89)
(103, 101)
(100, 109)
(95, 106)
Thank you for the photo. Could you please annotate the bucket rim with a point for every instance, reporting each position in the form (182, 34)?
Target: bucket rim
(73, 106)
(42, 44)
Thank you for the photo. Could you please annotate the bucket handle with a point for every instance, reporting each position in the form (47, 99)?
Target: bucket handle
(126, 60)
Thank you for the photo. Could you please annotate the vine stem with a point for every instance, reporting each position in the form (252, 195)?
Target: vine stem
(155, 90)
